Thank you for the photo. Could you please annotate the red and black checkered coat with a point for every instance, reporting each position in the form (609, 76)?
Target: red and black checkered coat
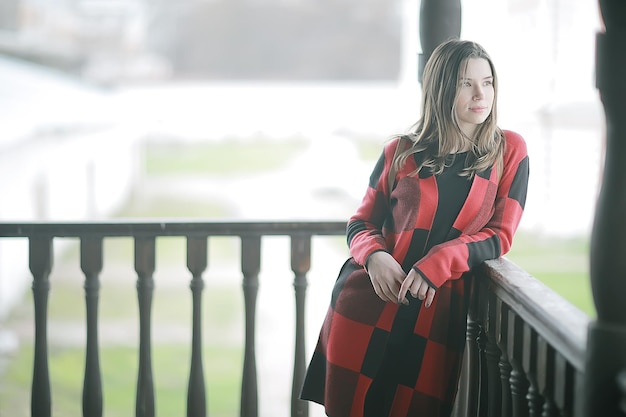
(353, 337)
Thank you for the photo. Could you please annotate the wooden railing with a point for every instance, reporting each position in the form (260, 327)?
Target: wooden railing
(525, 354)
(524, 357)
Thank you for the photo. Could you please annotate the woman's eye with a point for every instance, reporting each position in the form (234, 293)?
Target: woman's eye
(466, 84)
(489, 82)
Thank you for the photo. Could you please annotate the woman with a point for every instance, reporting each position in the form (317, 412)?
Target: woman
(441, 200)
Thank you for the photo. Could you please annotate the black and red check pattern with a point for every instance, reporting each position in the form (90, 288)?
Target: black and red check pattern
(354, 336)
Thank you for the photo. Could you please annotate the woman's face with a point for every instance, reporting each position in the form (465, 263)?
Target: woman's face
(475, 95)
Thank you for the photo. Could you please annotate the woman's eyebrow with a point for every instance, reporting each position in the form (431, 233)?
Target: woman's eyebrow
(471, 79)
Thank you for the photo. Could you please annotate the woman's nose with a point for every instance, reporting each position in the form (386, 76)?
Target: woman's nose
(478, 93)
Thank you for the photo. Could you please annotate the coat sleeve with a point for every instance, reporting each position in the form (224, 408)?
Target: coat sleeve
(364, 229)
(451, 259)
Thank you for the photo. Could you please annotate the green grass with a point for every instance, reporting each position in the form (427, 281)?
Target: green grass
(119, 376)
(226, 157)
(168, 207)
(370, 149)
(560, 263)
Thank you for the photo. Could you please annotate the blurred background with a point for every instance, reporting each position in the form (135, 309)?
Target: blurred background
(269, 110)
(88, 85)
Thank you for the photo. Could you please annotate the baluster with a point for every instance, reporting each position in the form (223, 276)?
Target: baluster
(91, 265)
(300, 265)
(483, 395)
(250, 266)
(529, 364)
(40, 263)
(621, 383)
(545, 377)
(579, 379)
(606, 341)
(563, 385)
(471, 390)
(519, 384)
(492, 355)
(504, 365)
(144, 266)
(196, 263)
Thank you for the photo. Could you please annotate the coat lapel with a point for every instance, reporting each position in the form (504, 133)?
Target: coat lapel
(478, 207)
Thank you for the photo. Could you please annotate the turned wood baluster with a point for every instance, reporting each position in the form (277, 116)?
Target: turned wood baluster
(91, 265)
(483, 340)
(504, 364)
(250, 266)
(519, 384)
(529, 364)
(606, 342)
(300, 265)
(472, 354)
(40, 263)
(144, 266)
(492, 356)
(563, 385)
(545, 377)
(621, 382)
(197, 261)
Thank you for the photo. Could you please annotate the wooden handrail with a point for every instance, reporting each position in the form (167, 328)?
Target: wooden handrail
(560, 323)
(171, 228)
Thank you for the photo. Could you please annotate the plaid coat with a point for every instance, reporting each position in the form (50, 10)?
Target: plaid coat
(354, 334)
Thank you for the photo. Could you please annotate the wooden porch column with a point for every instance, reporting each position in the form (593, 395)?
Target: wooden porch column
(439, 21)
(606, 344)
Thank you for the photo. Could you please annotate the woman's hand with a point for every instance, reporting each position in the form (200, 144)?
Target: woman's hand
(386, 275)
(418, 287)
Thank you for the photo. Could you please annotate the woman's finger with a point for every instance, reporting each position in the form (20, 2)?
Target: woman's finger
(422, 290)
(430, 295)
(406, 286)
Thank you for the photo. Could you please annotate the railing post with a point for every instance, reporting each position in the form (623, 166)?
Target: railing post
(40, 261)
(197, 261)
(492, 357)
(144, 266)
(606, 343)
(439, 21)
(546, 376)
(501, 327)
(250, 266)
(300, 265)
(529, 364)
(517, 378)
(91, 265)
(564, 385)
(470, 384)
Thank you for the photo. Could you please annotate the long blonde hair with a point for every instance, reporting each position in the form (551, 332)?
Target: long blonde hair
(437, 133)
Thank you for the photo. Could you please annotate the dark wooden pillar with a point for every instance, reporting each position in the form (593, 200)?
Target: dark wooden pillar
(606, 345)
(439, 21)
